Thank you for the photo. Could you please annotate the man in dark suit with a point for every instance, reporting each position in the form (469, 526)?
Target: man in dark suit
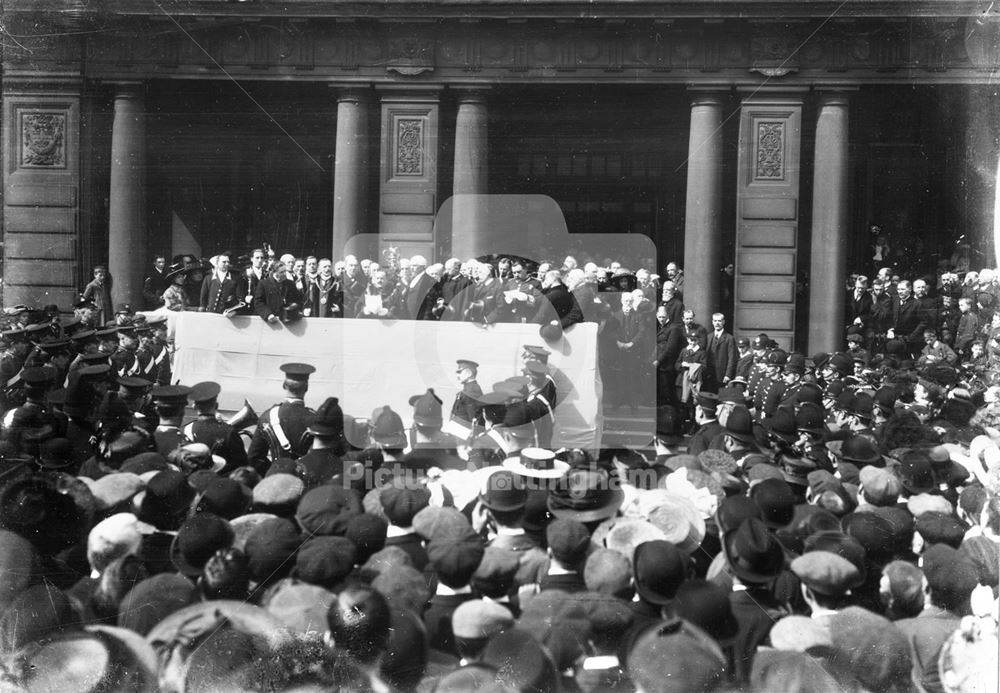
(860, 306)
(255, 272)
(276, 294)
(908, 320)
(558, 298)
(325, 297)
(220, 290)
(155, 284)
(353, 283)
(673, 304)
(631, 343)
(708, 423)
(720, 355)
(669, 342)
(422, 292)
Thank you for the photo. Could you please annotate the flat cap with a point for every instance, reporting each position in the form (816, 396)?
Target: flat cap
(480, 618)
(826, 573)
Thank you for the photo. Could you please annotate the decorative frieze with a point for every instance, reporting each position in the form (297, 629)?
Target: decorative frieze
(533, 50)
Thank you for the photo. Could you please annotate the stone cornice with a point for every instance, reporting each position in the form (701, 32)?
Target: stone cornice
(533, 51)
(74, 10)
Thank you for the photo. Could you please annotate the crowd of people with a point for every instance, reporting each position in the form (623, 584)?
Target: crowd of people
(800, 523)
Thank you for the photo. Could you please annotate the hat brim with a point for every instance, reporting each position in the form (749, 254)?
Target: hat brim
(742, 573)
(742, 437)
(608, 509)
(515, 465)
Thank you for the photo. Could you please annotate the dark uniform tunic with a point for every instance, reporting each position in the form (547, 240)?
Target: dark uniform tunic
(280, 433)
(221, 438)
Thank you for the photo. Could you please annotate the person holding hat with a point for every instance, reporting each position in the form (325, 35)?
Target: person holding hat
(222, 290)
(276, 298)
(174, 296)
(281, 429)
(466, 412)
(210, 429)
(170, 400)
(690, 369)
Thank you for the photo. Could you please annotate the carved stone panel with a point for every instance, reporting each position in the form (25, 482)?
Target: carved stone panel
(770, 150)
(409, 147)
(42, 142)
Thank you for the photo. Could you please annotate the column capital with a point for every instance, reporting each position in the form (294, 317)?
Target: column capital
(471, 94)
(410, 93)
(834, 96)
(129, 89)
(352, 93)
(707, 95)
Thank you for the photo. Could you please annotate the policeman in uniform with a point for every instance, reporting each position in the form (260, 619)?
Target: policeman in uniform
(134, 392)
(171, 401)
(26, 425)
(541, 401)
(795, 368)
(281, 430)
(760, 345)
(221, 438)
(159, 368)
(466, 412)
(123, 360)
(770, 387)
(488, 448)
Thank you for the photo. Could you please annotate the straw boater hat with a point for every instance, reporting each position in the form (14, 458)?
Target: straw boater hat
(537, 463)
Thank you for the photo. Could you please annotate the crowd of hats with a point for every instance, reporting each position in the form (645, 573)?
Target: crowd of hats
(186, 579)
(877, 570)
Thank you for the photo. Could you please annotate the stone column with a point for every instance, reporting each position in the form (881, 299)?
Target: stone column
(469, 214)
(703, 210)
(828, 265)
(350, 173)
(127, 213)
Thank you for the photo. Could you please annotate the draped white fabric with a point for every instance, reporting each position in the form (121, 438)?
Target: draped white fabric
(371, 363)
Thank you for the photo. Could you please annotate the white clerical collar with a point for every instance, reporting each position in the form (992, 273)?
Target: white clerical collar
(445, 591)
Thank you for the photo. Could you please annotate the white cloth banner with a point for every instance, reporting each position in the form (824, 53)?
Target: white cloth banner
(371, 363)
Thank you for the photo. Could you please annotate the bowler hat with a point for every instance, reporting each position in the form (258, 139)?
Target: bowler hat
(752, 552)
(659, 568)
(739, 425)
